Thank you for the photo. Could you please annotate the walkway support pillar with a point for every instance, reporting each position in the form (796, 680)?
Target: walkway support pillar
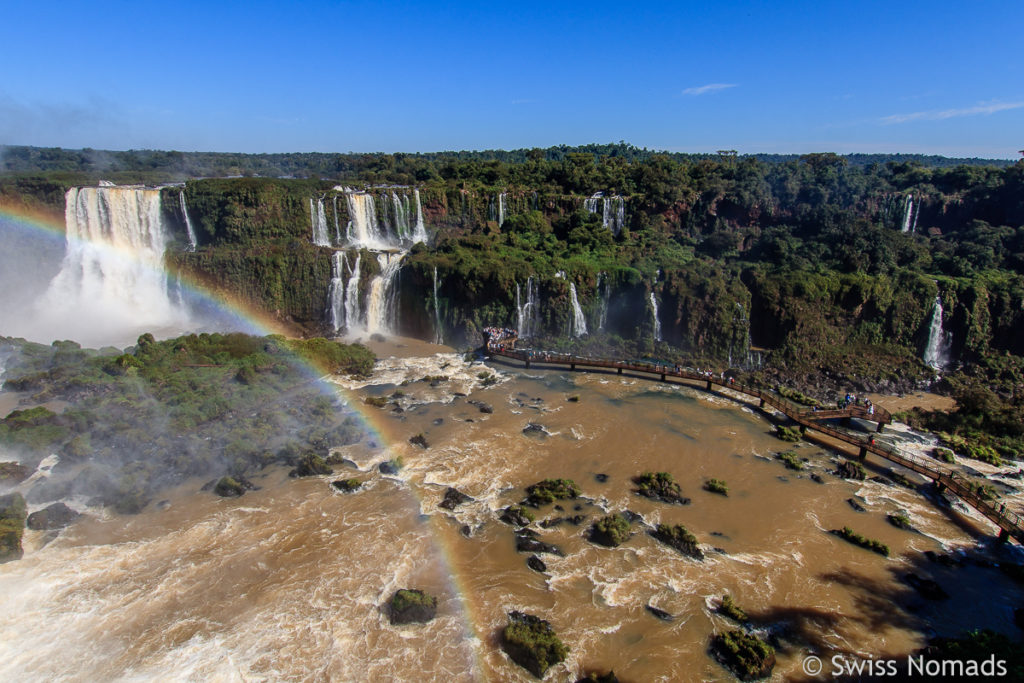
(620, 371)
(803, 429)
(527, 365)
(939, 487)
(881, 426)
(863, 452)
(572, 366)
(709, 385)
(1004, 536)
(663, 377)
(761, 404)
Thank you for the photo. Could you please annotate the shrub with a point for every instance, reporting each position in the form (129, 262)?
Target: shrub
(849, 535)
(678, 537)
(716, 486)
(790, 460)
(660, 486)
(745, 655)
(410, 605)
(791, 434)
(550, 490)
(730, 609)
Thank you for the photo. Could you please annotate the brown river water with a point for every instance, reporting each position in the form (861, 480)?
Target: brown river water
(290, 582)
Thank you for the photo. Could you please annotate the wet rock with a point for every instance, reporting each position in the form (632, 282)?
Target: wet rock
(390, 467)
(660, 613)
(310, 465)
(13, 472)
(560, 508)
(945, 559)
(536, 564)
(338, 459)
(410, 606)
(554, 521)
(598, 677)
(438, 421)
(486, 408)
(535, 430)
(660, 486)
(900, 522)
(56, 516)
(347, 485)
(12, 526)
(678, 537)
(577, 519)
(466, 530)
(632, 517)
(232, 487)
(817, 478)
(577, 507)
(526, 543)
(453, 498)
(530, 642)
(516, 515)
(926, 587)
(419, 440)
(855, 505)
(848, 469)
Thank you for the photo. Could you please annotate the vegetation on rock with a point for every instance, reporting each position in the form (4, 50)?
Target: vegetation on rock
(716, 486)
(848, 534)
(550, 490)
(12, 526)
(531, 643)
(347, 485)
(610, 531)
(730, 609)
(744, 654)
(790, 460)
(678, 537)
(791, 434)
(660, 486)
(412, 606)
(850, 469)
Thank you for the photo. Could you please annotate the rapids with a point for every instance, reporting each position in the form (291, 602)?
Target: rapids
(290, 581)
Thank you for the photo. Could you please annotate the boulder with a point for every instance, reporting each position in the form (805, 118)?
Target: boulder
(745, 655)
(660, 613)
(390, 467)
(660, 486)
(526, 543)
(536, 564)
(676, 536)
(56, 516)
(453, 498)
(13, 472)
(232, 487)
(516, 515)
(310, 465)
(410, 606)
(855, 505)
(12, 526)
(419, 440)
(611, 531)
(347, 485)
(531, 643)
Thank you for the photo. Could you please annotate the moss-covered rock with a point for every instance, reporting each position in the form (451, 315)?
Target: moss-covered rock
(347, 485)
(716, 486)
(516, 515)
(790, 460)
(660, 486)
(229, 487)
(531, 643)
(310, 465)
(599, 677)
(409, 605)
(791, 434)
(550, 490)
(13, 472)
(453, 498)
(745, 655)
(728, 608)
(678, 537)
(850, 469)
(12, 526)
(900, 521)
(419, 440)
(849, 535)
(611, 531)
(56, 516)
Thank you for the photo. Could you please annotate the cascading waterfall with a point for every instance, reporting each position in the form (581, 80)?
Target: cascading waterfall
(318, 221)
(603, 297)
(577, 322)
(337, 231)
(438, 330)
(352, 296)
(936, 353)
(908, 213)
(401, 219)
(192, 242)
(501, 209)
(112, 284)
(613, 210)
(526, 313)
(336, 292)
(365, 230)
(380, 307)
(419, 234)
(654, 314)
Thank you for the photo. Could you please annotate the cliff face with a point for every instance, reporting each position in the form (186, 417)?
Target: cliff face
(798, 265)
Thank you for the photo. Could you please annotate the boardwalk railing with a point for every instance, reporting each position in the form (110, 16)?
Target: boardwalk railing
(1011, 524)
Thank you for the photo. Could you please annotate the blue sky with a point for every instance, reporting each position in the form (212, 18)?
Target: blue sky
(787, 77)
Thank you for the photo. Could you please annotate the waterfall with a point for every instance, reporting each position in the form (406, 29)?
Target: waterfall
(337, 231)
(401, 216)
(613, 210)
(501, 209)
(352, 296)
(111, 285)
(380, 308)
(420, 232)
(603, 299)
(577, 323)
(438, 330)
(365, 229)
(318, 221)
(526, 313)
(192, 242)
(654, 314)
(936, 353)
(907, 213)
(336, 292)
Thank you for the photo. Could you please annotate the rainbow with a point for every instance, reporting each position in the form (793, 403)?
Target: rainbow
(49, 225)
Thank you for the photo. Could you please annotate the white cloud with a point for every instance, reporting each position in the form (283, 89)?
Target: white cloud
(980, 109)
(710, 87)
